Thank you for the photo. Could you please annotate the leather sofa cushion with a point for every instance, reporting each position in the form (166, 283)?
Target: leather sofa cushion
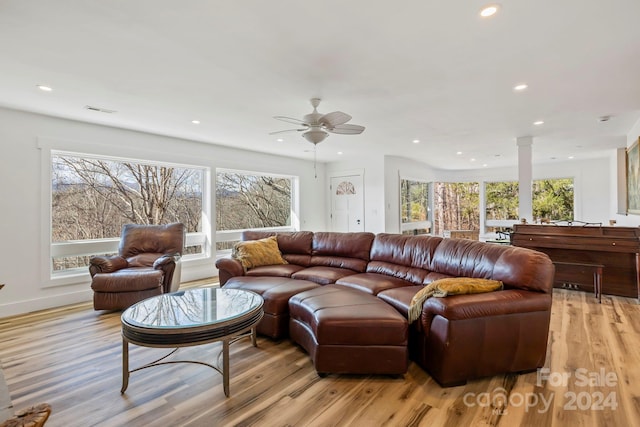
(459, 307)
(372, 283)
(128, 280)
(416, 276)
(405, 250)
(341, 250)
(357, 265)
(163, 239)
(121, 300)
(279, 270)
(341, 316)
(525, 269)
(322, 275)
(400, 298)
(402, 256)
(298, 259)
(143, 260)
(342, 245)
(289, 242)
(466, 258)
(275, 291)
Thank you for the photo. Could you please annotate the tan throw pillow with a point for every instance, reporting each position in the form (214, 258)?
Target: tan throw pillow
(254, 253)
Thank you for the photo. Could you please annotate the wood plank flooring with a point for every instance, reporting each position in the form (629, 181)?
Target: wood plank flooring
(70, 357)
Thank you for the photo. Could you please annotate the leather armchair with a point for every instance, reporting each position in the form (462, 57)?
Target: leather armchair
(147, 264)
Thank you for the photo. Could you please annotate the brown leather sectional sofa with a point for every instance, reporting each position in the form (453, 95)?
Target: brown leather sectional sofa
(457, 338)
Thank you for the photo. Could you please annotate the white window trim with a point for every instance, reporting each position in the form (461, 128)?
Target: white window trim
(234, 235)
(415, 225)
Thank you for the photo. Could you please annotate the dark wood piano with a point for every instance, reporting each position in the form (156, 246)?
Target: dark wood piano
(615, 248)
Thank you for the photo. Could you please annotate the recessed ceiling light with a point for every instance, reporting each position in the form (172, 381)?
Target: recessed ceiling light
(472, 159)
(489, 10)
(195, 122)
(570, 157)
(484, 165)
(44, 88)
(279, 139)
(520, 87)
(340, 153)
(416, 141)
(458, 152)
(538, 123)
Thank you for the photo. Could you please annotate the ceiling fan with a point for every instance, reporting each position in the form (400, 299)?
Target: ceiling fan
(317, 126)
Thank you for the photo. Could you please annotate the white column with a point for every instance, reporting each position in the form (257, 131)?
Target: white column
(525, 177)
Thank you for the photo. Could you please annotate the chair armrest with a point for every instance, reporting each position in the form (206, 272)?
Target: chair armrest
(228, 268)
(106, 264)
(169, 264)
(164, 260)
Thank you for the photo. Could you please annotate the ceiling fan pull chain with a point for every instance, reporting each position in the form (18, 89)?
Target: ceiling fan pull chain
(315, 170)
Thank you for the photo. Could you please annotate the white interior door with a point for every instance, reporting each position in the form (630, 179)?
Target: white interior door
(347, 203)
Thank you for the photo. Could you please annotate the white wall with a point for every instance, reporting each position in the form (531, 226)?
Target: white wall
(591, 179)
(22, 210)
(395, 169)
(591, 183)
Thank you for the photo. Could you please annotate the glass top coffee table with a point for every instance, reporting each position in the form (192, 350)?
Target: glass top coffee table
(187, 318)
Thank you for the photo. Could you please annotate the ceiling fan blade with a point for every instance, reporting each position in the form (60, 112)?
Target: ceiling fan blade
(331, 120)
(286, 130)
(347, 129)
(290, 120)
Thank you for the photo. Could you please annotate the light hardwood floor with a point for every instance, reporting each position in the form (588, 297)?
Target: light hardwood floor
(70, 357)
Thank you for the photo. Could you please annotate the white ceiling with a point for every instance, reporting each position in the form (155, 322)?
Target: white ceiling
(409, 69)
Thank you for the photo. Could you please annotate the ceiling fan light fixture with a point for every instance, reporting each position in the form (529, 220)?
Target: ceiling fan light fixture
(315, 136)
(317, 126)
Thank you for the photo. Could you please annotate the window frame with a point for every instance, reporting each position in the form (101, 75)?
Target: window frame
(480, 206)
(505, 223)
(416, 225)
(236, 234)
(50, 147)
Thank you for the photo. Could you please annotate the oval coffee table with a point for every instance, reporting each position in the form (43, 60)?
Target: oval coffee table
(187, 318)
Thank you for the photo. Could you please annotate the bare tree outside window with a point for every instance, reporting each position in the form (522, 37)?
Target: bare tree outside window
(92, 198)
(246, 200)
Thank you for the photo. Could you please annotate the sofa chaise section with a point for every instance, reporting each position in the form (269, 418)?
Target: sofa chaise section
(456, 338)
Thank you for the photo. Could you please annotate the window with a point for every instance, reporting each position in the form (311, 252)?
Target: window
(93, 197)
(501, 205)
(456, 207)
(249, 200)
(553, 199)
(414, 207)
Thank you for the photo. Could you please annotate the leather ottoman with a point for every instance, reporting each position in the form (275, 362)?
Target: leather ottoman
(346, 331)
(276, 292)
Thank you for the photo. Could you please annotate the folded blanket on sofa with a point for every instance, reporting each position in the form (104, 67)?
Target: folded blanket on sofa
(450, 286)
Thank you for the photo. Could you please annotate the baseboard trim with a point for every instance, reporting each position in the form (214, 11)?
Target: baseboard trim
(37, 304)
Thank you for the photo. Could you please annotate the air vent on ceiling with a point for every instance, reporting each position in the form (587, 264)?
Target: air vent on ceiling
(102, 110)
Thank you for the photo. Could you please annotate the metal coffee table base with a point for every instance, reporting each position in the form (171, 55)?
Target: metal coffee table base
(224, 370)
